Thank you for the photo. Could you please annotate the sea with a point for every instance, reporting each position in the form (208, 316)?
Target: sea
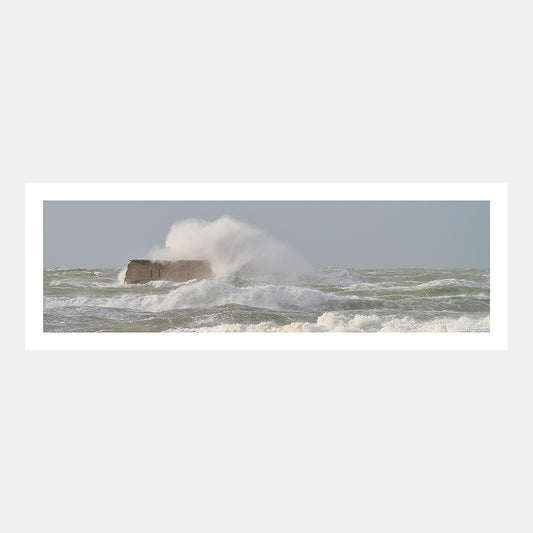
(325, 300)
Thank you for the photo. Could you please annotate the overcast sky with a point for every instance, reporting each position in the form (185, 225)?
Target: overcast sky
(347, 234)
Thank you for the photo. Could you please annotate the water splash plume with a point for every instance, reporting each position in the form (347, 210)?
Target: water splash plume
(232, 247)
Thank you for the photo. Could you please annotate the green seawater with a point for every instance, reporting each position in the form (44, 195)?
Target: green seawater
(331, 299)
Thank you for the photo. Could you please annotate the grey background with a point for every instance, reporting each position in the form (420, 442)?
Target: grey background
(347, 234)
(287, 92)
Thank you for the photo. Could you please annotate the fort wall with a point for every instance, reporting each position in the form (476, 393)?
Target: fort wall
(143, 270)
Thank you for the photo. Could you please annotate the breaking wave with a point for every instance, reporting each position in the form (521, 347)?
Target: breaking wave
(205, 293)
(334, 322)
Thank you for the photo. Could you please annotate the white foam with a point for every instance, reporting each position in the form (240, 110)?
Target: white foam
(452, 282)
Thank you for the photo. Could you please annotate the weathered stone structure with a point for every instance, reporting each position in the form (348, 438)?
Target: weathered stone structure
(143, 270)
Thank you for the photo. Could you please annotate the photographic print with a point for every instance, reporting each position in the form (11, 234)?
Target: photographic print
(273, 266)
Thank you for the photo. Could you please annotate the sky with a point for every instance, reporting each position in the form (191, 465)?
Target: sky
(364, 234)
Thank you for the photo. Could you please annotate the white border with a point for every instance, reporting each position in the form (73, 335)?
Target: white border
(37, 193)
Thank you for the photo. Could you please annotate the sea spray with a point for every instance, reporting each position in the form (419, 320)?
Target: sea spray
(122, 276)
(231, 247)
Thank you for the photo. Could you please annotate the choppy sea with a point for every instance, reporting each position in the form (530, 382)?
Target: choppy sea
(330, 299)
